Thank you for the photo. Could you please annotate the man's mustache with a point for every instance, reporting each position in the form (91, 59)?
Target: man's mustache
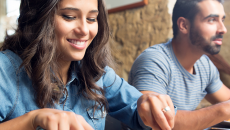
(217, 37)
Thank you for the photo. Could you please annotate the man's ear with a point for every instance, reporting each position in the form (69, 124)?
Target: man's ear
(183, 25)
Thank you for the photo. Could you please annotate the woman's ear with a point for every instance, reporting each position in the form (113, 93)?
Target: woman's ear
(183, 25)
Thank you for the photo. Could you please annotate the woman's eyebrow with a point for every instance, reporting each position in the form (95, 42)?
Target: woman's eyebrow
(94, 11)
(76, 9)
(70, 8)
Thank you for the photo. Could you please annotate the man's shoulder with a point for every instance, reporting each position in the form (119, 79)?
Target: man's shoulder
(156, 57)
(161, 47)
(156, 52)
(204, 60)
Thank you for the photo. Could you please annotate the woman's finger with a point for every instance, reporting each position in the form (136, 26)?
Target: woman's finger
(156, 108)
(152, 123)
(168, 109)
(50, 123)
(170, 115)
(147, 116)
(51, 126)
(77, 126)
(64, 120)
(84, 124)
(78, 122)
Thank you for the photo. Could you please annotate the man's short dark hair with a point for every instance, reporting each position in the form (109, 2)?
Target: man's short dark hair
(187, 9)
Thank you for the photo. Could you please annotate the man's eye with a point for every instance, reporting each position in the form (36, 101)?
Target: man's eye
(92, 19)
(211, 20)
(68, 17)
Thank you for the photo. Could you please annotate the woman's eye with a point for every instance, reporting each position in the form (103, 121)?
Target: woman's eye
(92, 19)
(68, 17)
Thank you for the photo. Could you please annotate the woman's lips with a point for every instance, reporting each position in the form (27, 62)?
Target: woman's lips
(78, 44)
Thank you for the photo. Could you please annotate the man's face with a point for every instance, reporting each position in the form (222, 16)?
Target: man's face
(206, 32)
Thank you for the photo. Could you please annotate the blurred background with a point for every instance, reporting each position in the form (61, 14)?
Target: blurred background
(133, 30)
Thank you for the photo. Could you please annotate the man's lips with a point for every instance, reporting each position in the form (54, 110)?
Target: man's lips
(218, 41)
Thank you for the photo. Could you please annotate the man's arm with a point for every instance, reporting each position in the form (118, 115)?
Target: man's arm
(205, 117)
(223, 94)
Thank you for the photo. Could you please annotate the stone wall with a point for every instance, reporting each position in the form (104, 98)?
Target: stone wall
(134, 30)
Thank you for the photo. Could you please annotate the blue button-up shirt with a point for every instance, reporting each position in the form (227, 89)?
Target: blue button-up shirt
(17, 95)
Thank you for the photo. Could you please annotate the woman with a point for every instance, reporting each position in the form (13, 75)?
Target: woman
(58, 60)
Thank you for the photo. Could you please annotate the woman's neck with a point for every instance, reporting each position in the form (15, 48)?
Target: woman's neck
(63, 70)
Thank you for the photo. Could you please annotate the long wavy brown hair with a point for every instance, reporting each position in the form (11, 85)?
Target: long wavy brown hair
(35, 42)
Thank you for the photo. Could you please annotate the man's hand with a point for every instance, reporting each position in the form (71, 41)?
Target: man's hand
(151, 107)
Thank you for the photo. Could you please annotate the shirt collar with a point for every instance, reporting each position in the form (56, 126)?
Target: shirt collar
(73, 74)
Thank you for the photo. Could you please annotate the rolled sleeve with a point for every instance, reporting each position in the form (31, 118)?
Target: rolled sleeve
(150, 72)
(122, 99)
(215, 82)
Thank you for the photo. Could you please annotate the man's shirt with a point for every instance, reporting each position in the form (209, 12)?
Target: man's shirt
(157, 69)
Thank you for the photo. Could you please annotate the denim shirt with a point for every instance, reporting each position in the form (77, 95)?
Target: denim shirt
(17, 95)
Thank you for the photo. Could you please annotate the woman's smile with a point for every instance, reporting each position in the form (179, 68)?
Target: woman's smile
(78, 44)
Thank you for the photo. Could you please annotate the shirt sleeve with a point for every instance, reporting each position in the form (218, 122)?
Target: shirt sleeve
(122, 99)
(150, 72)
(215, 83)
(8, 87)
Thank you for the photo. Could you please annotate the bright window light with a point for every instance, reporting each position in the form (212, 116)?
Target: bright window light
(12, 7)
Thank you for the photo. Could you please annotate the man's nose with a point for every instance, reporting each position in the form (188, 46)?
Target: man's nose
(222, 29)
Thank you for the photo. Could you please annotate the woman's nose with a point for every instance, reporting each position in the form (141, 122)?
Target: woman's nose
(82, 28)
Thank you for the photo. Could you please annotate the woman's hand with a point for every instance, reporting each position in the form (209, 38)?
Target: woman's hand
(151, 107)
(53, 119)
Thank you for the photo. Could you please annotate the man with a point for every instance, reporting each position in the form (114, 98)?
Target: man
(181, 69)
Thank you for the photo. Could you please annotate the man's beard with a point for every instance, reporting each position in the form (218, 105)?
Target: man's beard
(207, 46)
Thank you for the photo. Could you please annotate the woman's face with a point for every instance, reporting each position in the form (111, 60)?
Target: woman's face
(75, 27)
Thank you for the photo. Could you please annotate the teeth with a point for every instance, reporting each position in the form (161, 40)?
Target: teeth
(76, 42)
